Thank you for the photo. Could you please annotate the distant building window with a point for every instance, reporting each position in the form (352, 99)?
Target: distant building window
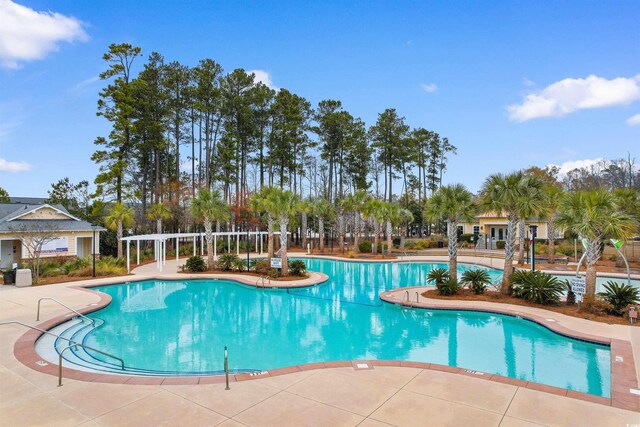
(476, 229)
(461, 229)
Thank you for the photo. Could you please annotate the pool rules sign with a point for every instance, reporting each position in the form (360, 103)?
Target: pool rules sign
(579, 287)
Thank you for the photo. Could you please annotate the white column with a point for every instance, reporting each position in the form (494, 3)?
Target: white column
(155, 250)
(238, 244)
(201, 245)
(164, 252)
(257, 234)
(261, 239)
(177, 249)
(138, 251)
(229, 243)
(128, 259)
(194, 245)
(215, 247)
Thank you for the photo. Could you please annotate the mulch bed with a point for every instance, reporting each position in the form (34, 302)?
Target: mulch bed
(492, 296)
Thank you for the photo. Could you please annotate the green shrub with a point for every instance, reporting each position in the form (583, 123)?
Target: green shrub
(619, 296)
(195, 264)
(468, 238)
(239, 264)
(297, 267)
(537, 287)
(76, 264)
(449, 287)
(500, 244)
(477, 280)
(226, 261)
(260, 266)
(438, 276)
(595, 305)
(365, 246)
(410, 244)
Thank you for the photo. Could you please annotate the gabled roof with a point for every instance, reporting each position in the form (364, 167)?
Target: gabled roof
(28, 200)
(53, 224)
(30, 209)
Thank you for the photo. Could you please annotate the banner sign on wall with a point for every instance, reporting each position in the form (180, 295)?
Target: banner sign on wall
(59, 245)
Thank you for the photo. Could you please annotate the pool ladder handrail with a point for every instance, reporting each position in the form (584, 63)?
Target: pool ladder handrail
(406, 296)
(93, 321)
(262, 278)
(73, 344)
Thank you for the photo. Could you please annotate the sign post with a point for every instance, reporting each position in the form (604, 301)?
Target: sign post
(579, 287)
(276, 262)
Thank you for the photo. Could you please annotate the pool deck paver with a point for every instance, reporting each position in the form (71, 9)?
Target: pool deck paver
(388, 393)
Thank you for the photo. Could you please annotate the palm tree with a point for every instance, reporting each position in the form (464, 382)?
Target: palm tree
(324, 211)
(628, 201)
(503, 194)
(119, 217)
(304, 207)
(531, 204)
(355, 203)
(452, 203)
(209, 207)
(374, 210)
(405, 218)
(392, 219)
(594, 216)
(553, 197)
(159, 212)
(260, 202)
(282, 205)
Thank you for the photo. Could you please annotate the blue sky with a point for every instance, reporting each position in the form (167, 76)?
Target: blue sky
(511, 84)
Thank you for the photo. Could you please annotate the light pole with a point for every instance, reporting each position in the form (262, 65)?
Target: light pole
(533, 231)
(94, 227)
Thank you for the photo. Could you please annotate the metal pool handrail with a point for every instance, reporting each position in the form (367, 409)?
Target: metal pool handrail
(73, 344)
(93, 321)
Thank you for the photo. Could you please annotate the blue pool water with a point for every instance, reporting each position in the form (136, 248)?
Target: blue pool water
(183, 326)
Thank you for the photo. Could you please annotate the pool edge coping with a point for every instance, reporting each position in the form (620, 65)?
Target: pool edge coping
(621, 378)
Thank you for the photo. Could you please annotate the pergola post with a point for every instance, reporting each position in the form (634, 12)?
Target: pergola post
(128, 259)
(238, 243)
(177, 248)
(229, 242)
(201, 245)
(215, 248)
(164, 252)
(138, 252)
(194, 245)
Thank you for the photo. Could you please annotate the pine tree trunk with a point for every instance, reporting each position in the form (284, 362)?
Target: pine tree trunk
(452, 249)
(509, 252)
(341, 232)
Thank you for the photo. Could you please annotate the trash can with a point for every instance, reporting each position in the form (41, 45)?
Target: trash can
(9, 277)
(23, 278)
(441, 243)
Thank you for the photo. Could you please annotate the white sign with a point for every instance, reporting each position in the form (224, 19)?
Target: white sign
(276, 262)
(56, 246)
(578, 285)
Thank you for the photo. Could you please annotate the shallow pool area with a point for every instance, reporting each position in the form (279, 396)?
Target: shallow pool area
(181, 327)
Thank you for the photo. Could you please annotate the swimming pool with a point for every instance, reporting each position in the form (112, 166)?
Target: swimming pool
(180, 327)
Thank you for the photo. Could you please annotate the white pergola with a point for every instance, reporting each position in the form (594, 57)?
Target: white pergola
(160, 243)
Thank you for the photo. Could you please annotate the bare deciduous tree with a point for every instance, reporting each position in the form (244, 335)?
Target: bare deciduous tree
(34, 235)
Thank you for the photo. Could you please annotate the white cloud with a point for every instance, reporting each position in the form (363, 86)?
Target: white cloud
(429, 88)
(570, 95)
(7, 166)
(634, 120)
(263, 77)
(527, 82)
(27, 35)
(570, 165)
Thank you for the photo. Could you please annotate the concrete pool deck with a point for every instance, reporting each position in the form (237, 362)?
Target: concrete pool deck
(377, 396)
